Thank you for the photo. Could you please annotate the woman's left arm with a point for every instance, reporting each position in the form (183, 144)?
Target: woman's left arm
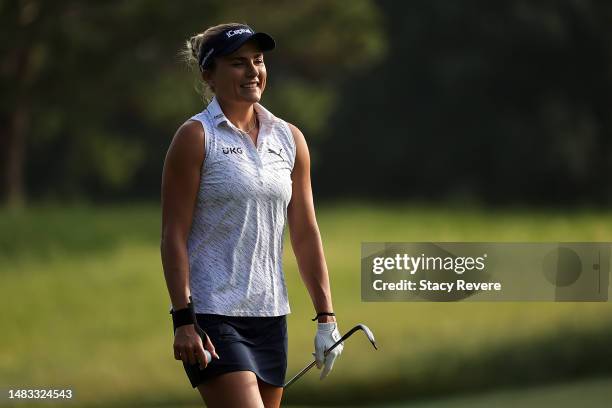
(304, 231)
(308, 249)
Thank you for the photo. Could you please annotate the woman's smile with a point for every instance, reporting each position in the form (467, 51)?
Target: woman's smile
(250, 85)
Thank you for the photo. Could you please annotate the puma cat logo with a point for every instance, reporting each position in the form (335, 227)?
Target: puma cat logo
(276, 153)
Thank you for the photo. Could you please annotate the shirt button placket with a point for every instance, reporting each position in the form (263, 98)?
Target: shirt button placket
(260, 169)
(254, 151)
(260, 172)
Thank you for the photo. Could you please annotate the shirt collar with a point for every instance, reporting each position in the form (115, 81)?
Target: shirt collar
(215, 111)
(264, 115)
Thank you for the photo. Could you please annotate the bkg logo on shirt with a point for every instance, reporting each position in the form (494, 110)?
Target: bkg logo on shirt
(229, 150)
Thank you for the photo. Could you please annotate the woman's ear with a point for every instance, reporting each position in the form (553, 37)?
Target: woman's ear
(207, 77)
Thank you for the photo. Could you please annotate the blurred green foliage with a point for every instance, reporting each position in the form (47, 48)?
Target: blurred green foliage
(100, 87)
(501, 102)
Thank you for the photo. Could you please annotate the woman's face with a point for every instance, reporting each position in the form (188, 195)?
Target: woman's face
(239, 76)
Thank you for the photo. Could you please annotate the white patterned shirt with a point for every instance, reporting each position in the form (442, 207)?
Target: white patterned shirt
(235, 244)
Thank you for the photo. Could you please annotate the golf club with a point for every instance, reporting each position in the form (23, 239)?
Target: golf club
(363, 327)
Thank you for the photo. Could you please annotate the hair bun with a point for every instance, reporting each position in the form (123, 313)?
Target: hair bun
(195, 44)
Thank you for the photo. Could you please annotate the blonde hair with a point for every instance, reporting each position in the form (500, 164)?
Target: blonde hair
(191, 55)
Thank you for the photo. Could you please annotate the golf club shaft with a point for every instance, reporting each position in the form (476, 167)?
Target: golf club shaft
(301, 373)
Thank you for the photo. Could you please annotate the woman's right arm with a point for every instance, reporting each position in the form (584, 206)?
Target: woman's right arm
(180, 185)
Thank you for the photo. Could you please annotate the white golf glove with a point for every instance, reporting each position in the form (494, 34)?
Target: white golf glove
(327, 335)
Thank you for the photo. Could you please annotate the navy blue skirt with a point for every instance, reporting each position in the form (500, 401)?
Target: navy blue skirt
(257, 344)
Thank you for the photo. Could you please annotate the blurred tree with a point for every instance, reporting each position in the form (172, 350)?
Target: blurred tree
(19, 69)
(92, 91)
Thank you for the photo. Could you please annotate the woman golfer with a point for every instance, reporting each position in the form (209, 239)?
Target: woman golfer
(233, 176)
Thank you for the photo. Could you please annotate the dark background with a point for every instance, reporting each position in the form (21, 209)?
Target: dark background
(504, 102)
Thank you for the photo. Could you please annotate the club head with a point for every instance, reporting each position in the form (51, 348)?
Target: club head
(369, 334)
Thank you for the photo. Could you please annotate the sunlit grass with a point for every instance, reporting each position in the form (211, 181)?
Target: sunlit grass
(88, 308)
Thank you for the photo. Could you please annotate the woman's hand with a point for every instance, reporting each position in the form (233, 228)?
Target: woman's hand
(327, 335)
(188, 346)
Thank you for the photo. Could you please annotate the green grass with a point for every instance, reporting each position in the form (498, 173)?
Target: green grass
(593, 393)
(69, 275)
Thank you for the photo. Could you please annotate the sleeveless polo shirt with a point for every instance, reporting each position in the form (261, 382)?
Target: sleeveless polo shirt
(235, 244)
